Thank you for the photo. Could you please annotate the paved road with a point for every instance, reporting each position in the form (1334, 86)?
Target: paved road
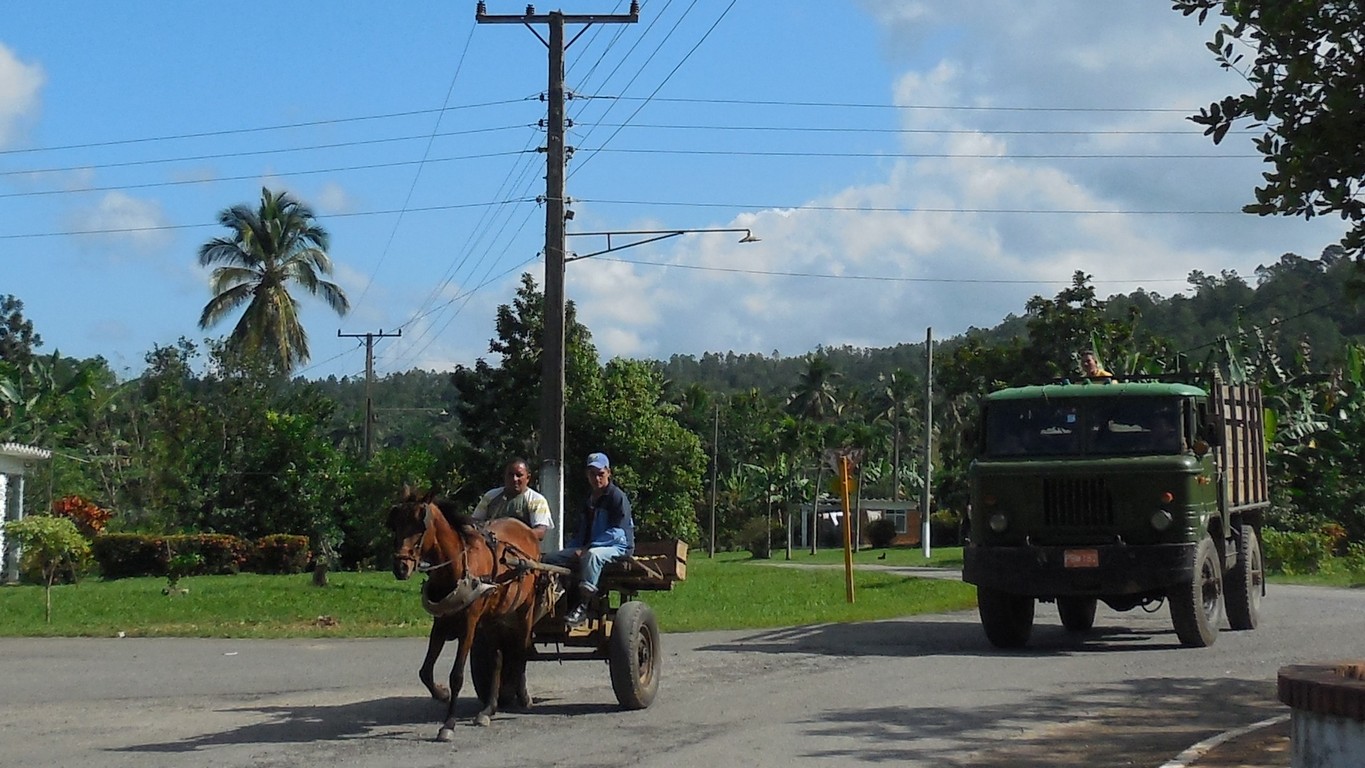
(923, 691)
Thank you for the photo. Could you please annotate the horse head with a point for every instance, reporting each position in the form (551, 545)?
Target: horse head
(410, 519)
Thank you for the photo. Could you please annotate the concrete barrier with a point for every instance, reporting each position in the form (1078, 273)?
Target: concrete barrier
(1327, 722)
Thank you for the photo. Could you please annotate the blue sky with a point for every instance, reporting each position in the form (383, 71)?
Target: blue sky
(905, 164)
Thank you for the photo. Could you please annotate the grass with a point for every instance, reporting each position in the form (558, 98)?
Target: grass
(730, 591)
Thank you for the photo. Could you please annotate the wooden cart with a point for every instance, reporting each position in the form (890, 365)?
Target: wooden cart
(621, 629)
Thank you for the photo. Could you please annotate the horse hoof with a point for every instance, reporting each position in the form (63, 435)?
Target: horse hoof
(441, 694)
(446, 734)
(482, 720)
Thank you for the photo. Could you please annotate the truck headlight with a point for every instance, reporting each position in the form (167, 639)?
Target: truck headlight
(999, 522)
(1161, 520)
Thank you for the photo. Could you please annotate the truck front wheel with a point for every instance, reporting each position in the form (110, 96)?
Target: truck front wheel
(1245, 581)
(1196, 607)
(1007, 619)
(1078, 613)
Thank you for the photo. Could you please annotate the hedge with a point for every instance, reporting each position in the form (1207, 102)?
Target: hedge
(121, 555)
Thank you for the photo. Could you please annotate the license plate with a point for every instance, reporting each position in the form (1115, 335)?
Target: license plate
(1081, 558)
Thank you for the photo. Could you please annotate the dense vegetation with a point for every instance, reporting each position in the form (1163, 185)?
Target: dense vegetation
(204, 441)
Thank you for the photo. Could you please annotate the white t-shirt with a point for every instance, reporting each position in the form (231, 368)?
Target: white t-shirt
(530, 507)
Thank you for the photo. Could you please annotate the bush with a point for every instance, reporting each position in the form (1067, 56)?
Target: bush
(881, 532)
(218, 553)
(1295, 553)
(280, 553)
(122, 555)
(945, 527)
(751, 537)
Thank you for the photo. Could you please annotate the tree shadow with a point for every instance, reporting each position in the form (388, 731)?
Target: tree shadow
(906, 638)
(1137, 722)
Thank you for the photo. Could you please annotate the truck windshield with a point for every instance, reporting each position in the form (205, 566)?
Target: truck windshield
(1084, 426)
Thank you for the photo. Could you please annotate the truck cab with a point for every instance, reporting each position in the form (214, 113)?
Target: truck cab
(1121, 491)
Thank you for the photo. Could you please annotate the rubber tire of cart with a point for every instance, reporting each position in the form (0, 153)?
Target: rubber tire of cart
(634, 655)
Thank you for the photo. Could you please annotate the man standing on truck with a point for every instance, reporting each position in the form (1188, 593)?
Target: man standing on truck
(1090, 365)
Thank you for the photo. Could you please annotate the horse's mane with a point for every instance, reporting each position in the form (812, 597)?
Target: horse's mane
(454, 513)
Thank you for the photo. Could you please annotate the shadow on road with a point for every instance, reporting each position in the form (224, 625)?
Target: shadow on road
(902, 638)
(372, 719)
(1139, 722)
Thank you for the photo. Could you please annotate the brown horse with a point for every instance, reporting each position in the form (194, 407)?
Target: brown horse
(473, 584)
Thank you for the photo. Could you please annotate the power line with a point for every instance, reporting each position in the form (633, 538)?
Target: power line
(168, 227)
(878, 278)
(220, 179)
(258, 129)
(904, 107)
(894, 209)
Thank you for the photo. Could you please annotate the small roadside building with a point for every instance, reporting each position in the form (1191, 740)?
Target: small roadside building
(16, 461)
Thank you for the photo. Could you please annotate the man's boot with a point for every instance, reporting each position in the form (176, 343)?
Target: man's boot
(580, 612)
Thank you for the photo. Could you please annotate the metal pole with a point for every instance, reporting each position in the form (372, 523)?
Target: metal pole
(715, 463)
(928, 439)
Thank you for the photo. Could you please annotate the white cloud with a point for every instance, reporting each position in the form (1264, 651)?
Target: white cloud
(122, 220)
(20, 85)
(987, 215)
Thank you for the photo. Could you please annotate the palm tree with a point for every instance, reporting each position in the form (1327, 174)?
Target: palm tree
(816, 396)
(271, 249)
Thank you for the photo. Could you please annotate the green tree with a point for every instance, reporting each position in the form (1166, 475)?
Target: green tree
(654, 458)
(17, 339)
(1306, 75)
(53, 542)
(272, 249)
(816, 395)
(499, 405)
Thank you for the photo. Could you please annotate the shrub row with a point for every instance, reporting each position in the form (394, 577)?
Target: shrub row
(121, 555)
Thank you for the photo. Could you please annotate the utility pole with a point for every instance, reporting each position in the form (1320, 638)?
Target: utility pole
(552, 347)
(369, 381)
(925, 497)
(715, 464)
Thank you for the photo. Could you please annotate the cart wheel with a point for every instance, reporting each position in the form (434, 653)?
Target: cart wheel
(634, 655)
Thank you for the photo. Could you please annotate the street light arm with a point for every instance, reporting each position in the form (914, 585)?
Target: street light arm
(649, 236)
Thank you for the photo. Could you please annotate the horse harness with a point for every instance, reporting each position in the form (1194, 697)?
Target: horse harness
(471, 588)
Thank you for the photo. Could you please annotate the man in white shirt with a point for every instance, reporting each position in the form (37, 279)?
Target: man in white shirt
(515, 498)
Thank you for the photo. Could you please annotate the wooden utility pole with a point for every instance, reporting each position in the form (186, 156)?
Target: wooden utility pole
(369, 381)
(552, 348)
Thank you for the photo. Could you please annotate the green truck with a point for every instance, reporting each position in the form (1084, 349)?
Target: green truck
(1126, 491)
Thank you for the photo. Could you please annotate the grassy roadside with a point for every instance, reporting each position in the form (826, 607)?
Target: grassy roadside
(730, 591)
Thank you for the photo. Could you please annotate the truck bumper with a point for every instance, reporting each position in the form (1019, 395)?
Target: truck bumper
(1043, 571)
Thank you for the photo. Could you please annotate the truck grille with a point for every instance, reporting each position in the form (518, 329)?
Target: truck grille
(1077, 502)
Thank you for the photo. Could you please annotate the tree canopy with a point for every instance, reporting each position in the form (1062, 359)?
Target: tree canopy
(1307, 76)
(272, 248)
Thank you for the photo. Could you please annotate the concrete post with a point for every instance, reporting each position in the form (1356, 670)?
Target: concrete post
(1327, 725)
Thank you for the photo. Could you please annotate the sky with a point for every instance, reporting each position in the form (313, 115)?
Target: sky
(904, 165)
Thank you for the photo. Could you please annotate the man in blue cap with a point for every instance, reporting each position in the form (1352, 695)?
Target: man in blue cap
(605, 532)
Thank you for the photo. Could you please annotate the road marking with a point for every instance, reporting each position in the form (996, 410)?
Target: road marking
(1197, 751)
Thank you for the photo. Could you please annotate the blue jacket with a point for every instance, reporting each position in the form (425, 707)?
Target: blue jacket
(608, 523)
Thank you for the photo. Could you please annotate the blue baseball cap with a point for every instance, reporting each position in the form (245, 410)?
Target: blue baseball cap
(598, 461)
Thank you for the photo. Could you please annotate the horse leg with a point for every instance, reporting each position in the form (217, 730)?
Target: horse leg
(490, 707)
(466, 641)
(435, 643)
(521, 652)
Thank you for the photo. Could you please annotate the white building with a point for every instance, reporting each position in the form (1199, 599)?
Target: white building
(15, 461)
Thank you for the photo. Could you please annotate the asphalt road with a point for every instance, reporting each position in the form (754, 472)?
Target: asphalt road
(922, 691)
